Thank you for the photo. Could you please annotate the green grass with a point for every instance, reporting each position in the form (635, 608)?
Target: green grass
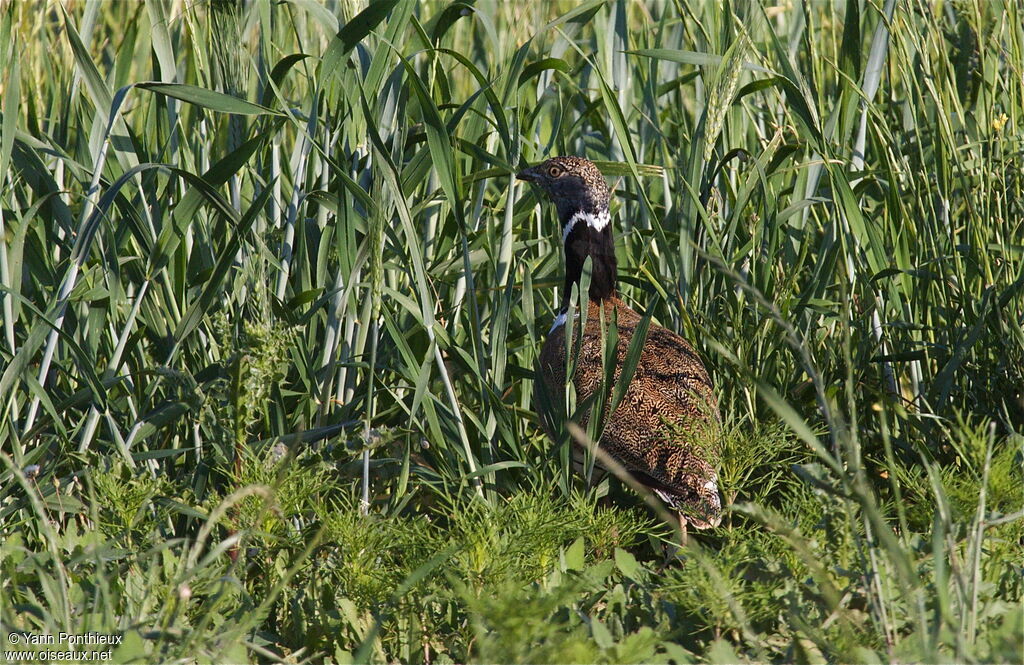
(253, 254)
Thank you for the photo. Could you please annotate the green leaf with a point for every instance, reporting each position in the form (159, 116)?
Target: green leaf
(573, 557)
(627, 564)
(602, 636)
(159, 418)
(12, 98)
(362, 23)
(203, 188)
(132, 648)
(161, 39)
(208, 99)
(281, 69)
(354, 32)
(722, 653)
(543, 65)
(497, 466)
(582, 13)
(690, 58)
(213, 289)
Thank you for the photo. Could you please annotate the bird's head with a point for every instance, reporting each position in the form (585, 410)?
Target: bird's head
(574, 185)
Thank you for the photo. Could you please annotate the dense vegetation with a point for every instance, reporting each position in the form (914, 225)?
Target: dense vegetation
(271, 303)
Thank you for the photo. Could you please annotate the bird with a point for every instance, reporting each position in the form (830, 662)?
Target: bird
(664, 430)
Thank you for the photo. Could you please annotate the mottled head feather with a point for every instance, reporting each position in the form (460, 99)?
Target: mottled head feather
(574, 184)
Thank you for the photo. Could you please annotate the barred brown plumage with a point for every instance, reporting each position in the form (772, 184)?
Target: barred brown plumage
(664, 430)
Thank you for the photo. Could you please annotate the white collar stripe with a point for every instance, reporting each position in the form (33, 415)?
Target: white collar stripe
(596, 222)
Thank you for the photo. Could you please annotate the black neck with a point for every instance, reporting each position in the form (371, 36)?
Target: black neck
(584, 241)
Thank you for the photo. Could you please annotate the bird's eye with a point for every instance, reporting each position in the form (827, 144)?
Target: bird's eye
(554, 171)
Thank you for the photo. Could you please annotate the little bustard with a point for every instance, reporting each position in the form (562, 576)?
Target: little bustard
(662, 432)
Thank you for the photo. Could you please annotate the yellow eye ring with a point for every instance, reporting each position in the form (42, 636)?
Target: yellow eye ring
(554, 171)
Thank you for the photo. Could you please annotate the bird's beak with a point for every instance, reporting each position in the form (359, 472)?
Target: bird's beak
(527, 174)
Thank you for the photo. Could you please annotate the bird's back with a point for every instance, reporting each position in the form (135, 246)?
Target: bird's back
(664, 431)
